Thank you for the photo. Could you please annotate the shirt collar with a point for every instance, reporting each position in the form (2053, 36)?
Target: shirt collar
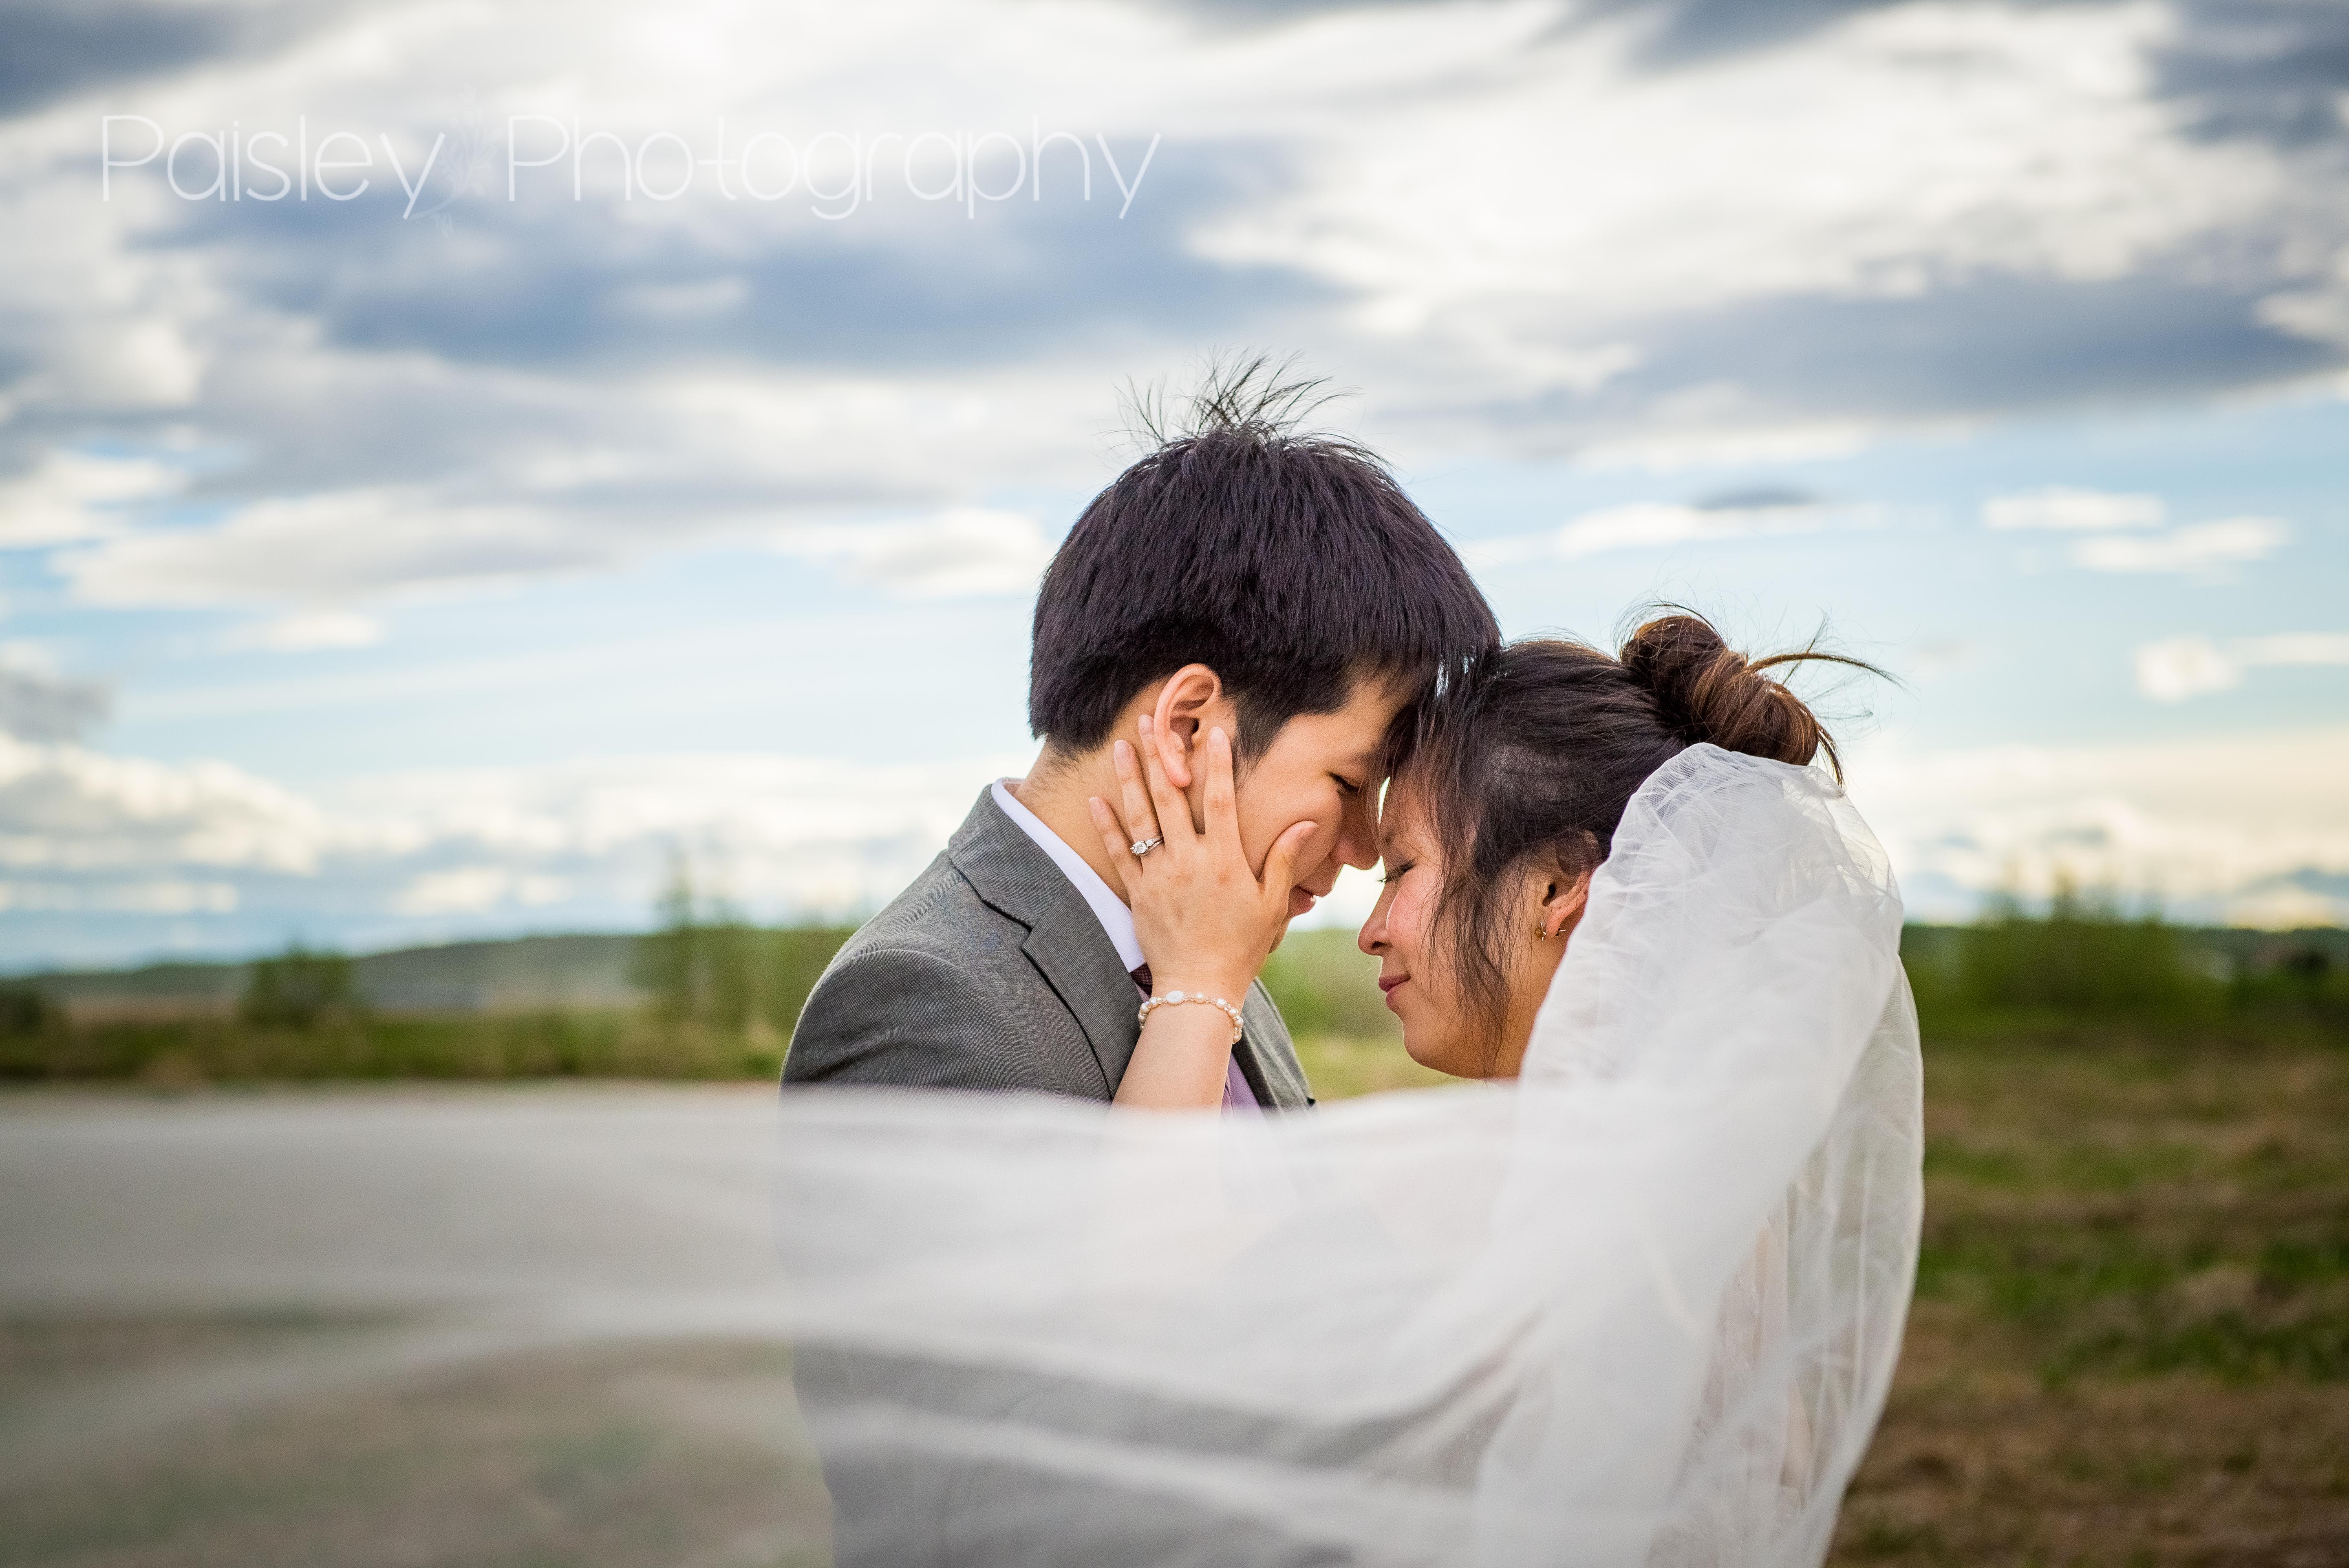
(1116, 919)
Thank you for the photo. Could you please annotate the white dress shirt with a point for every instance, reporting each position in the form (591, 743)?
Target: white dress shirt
(1116, 919)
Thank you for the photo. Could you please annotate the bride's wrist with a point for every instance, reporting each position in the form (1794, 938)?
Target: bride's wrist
(1199, 982)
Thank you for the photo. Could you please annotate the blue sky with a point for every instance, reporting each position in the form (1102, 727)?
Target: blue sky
(435, 563)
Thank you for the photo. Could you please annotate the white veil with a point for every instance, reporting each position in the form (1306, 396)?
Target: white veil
(1643, 1307)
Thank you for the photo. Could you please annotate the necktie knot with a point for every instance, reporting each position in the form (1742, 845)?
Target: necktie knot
(1142, 978)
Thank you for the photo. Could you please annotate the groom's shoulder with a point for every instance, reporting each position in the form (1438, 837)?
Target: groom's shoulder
(938, 913)
(915, 991)
(942, 914)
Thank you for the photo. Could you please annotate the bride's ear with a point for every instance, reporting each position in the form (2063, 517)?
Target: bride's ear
(1179, 722)
(1562, 902)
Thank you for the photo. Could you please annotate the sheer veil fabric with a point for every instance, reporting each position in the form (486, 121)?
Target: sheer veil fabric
(1641, 1308)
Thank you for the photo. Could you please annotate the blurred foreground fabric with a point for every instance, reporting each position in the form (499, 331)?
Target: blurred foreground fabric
(374, 1327)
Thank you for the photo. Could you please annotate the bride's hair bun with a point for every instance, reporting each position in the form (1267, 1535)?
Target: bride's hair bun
(1534, 758)
(1705, 690)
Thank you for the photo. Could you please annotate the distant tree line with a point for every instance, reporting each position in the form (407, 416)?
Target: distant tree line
(720, 995)
(2085, 957)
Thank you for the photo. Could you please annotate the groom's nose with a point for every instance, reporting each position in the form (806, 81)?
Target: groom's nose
(1357, 836)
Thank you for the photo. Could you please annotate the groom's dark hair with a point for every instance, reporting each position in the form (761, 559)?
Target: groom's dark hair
(1287, 561)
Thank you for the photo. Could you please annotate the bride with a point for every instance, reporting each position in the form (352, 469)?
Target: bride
(1632, 1298)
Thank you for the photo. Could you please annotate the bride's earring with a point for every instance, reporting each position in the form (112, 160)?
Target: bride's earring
(1539, 933)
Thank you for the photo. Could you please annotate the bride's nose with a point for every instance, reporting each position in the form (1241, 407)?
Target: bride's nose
(1373, 938)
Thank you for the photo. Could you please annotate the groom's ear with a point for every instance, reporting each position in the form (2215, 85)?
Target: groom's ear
(1187, 703)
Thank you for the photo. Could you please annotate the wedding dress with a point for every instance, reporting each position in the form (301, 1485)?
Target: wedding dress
(1640, 1307)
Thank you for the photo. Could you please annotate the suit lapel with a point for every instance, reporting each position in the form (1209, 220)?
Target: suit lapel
(1074, 954)
(1267, 1058)
(1065, 941)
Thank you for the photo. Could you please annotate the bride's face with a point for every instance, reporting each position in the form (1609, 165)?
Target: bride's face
(1440, 1029)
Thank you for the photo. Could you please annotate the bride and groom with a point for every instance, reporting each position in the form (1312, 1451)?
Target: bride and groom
(1640, 1308)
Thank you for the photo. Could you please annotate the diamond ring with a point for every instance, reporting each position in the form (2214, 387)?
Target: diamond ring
(1142, 847)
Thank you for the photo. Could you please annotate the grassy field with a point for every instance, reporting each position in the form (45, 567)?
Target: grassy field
(178, 1052)
(2131, 1338)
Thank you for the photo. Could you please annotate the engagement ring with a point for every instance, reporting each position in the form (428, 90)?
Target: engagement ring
(1142, 847)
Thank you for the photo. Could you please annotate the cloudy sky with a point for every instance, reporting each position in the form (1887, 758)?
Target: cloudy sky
(455, 457)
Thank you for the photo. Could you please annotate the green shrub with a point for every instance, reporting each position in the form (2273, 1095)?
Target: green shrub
(26, 1013)
(2085, 969)
(2306, 980)
(2083, 955)
(298, 989)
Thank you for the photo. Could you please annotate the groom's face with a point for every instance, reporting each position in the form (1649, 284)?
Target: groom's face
(1324, 769)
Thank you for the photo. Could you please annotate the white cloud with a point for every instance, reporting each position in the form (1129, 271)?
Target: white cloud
(2204, 549)
(1933, 659)
(577, 843)
(307, 630)
(2284, 906)
(470, 890)
(38, 703)
(71, 495)
(2195, 822)
(2178, 668)
(2181, 667)
(166, 896)
(2320, 313)
(647, 466)
(963, 551)
(2295, 648)
(1893, 153)
(65, 808)
(346, 544)
(1657, 525)
(97, 323)
(2061, 507)
(783, 832)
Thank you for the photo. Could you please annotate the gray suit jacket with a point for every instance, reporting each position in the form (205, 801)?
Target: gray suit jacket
(991, 972)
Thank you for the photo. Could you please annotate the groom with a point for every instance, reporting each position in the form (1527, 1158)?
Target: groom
(1244, 575)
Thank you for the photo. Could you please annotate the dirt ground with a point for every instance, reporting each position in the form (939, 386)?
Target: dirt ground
(2131, 1343)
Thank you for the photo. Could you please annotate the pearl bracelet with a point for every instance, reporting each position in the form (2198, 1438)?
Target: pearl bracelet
(1173, 997)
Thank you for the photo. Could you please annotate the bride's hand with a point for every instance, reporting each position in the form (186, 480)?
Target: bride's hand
(1207, 922)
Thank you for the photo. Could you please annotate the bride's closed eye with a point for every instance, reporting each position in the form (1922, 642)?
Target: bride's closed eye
(1396, 872)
